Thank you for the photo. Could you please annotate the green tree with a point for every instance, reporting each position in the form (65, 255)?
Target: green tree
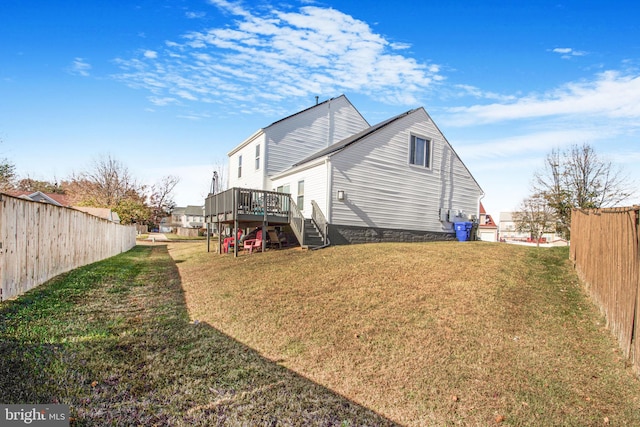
(132, 211)
(7, 175)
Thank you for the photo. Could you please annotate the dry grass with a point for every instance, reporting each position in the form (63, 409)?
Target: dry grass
(424, 334)
(114, 342)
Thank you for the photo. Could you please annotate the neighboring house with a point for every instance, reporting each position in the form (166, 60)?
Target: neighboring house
(508, 231)
(165, 225)
(104, 213)
(399, 180)
(188, 217)
(487, 228)
(39, 196)
(62, 200)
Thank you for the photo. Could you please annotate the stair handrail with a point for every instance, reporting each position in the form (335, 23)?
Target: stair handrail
(296, 221)
(317, 216)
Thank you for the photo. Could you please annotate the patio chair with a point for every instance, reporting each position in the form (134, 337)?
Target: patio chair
(254, 244)
(274, 240)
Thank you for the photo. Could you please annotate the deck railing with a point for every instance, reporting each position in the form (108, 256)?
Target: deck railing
(321, 221)
(245, 204)
(297, 223)
(239, 201)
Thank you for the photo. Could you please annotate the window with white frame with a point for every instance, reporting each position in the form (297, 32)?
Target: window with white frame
(284, 189)
(420, 151)
(240, 166)
(300, 200)
(257, 156)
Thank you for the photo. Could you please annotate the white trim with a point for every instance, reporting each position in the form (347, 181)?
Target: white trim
(245, 142)
(300, 168)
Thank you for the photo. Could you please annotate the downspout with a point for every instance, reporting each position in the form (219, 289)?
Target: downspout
(265, 158)
(329, 202)
(478, 216)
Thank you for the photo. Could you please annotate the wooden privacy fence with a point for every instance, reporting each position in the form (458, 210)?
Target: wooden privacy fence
(604, 250)
(39, 241)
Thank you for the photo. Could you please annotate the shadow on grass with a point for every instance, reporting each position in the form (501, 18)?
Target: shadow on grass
(113, 340)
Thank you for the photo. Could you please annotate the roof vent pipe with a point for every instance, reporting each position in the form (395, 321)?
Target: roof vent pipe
(317, 99)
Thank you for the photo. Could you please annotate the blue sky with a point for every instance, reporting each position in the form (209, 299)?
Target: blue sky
(170, 86)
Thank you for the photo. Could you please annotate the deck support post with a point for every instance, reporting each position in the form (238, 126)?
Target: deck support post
(208, 236)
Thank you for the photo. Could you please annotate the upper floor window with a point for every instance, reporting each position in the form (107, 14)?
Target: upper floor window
(420, 151)
(240, 166)
(257, 156)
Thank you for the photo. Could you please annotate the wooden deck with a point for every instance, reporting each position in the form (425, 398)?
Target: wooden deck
(249, 207)
(246, 208)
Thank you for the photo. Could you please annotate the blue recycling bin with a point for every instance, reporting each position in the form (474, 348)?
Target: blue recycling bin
(463, 230)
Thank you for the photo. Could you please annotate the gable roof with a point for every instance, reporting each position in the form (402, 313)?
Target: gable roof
(39, 196)
(104, 213)
(262, 130)
(488, 221)
(340, 145)
(305, 110)
(192, 210)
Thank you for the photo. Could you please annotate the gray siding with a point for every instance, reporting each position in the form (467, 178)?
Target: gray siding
(383, 191)
(302, 135)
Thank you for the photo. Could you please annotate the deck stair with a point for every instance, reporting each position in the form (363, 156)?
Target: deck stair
(312, 237)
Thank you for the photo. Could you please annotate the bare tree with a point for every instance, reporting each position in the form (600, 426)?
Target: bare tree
(108, 183)
(535, 216)
(161, 198)
(579, 178)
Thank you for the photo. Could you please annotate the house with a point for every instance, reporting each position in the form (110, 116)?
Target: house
(62, 200)
(487, 228)
(398, 180)
(104, 213)
(508, 232)
(188, 217)
(39, 196)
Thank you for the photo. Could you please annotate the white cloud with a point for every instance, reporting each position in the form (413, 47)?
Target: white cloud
(529, 142)
(281, 54)
(79, 67)
(162, 101)
(464, 90)
(195, 15)
(610, 94)
(567, 52)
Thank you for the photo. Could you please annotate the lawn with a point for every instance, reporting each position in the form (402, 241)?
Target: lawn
(114, 341)
(425, 333)
(416, 334)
